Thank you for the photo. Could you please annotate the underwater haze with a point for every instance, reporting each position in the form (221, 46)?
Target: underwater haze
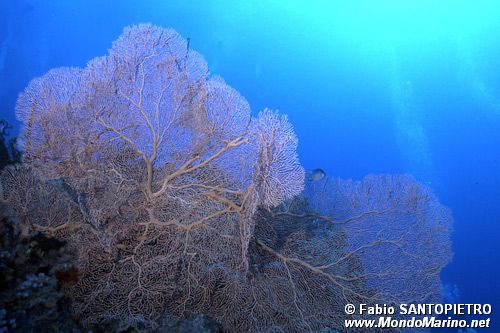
(371, 87)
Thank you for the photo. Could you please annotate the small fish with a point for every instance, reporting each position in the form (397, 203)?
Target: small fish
(316, 175)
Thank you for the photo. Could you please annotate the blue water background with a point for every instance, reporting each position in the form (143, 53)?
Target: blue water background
(425, 104)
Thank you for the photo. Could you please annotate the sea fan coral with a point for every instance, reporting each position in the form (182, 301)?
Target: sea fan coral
(161, 162)
(176, 201)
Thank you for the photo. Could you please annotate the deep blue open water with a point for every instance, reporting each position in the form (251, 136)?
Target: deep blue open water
(402, 87)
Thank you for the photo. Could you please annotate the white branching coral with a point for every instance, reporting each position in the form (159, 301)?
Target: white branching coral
(279, 175)
(162, 162)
